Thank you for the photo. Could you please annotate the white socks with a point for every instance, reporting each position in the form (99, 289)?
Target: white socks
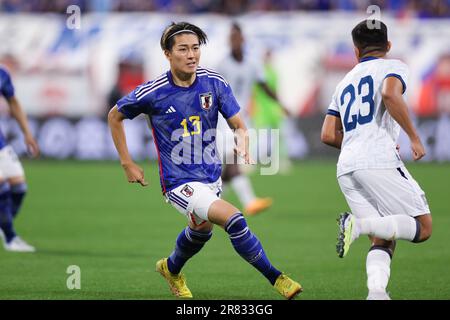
(378, 267)
(243, 189)
(387, 228)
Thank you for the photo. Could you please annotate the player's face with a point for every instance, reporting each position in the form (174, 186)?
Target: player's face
(236, 39)
(185, 54)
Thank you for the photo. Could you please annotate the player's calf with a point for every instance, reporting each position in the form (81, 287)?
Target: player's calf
(18, 192)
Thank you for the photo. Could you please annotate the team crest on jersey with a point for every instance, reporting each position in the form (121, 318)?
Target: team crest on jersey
(206, 100)
(187, 191)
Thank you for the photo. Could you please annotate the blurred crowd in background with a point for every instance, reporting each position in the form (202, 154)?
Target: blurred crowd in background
(400, 8)
(69, 78)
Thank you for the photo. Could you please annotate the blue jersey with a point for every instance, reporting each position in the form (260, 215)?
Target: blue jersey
(183, 121)
(6, 90)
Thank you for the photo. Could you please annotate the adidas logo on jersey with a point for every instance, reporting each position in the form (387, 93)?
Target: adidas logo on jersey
(171, 110)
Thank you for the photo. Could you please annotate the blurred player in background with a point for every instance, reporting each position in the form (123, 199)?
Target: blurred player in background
(12, 177)
(363, 120)
(268, 114)
(183, 105)
(242, 73)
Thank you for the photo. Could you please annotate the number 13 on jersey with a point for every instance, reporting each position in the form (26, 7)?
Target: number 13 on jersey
(195, 120)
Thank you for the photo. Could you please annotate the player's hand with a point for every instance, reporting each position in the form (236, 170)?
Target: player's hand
(418, 149)
(244, 155)
(134, 173)
(32, 146)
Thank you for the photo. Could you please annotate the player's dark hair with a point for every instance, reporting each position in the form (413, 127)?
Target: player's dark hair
(168, 36)
(370, 36)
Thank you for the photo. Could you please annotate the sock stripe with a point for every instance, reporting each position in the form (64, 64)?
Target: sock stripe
(199, 233)
(203, 236)
(387, 250)
(417, 235)
(234, 218)
(239, 234)
(256, 258)
(4, 187)
(19, 188)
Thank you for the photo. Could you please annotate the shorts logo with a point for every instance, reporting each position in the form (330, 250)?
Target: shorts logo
(206, 100)
(187, 191)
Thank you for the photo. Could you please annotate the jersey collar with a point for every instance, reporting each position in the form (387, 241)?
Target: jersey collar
(169, 75)
(368, 58)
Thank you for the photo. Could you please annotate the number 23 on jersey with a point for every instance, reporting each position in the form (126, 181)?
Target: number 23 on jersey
(352, 120)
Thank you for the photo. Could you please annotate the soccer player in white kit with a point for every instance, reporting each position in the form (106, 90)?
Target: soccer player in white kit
(363, 120)
(242, 74)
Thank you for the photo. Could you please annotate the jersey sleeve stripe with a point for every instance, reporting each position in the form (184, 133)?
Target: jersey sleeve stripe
(210, 76)
(152, 83)
(399, 77)
(144, 93)
(333, 113)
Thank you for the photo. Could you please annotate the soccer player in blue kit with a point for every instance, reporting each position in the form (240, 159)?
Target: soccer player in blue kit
(13, 185)
(182, 106)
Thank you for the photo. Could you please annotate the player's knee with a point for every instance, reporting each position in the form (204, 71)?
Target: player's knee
(220, 212)
(425, 232)
(426, 227)
(204, 227)
(230, 171)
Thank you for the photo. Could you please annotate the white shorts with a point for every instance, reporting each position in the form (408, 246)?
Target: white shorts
(10, 166)
(193, 199)
(382, 192)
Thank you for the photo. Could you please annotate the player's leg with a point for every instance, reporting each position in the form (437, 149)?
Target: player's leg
(248, 246)
(243, 188)
(18, 191)
(232, 174)
(378, 268)
(15, 176)
(190, 240)
(6, 220)
(406, 215)
(363, 206)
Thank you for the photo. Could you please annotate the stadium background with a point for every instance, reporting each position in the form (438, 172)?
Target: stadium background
(81, 211)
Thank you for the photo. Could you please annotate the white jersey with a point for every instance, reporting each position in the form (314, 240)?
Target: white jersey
(242, 76)
(370, 133)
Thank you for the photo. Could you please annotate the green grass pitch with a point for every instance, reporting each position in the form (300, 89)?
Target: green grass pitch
(86, 214)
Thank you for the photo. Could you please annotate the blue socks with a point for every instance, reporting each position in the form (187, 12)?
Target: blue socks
(18, 192)
(249, 247)
(189, 242)
(6, 218)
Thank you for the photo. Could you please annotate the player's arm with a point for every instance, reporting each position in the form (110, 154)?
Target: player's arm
(392, 93)
(332, 131)
(272, 94)
(21, 118)
(134, 173)
(241, 136)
